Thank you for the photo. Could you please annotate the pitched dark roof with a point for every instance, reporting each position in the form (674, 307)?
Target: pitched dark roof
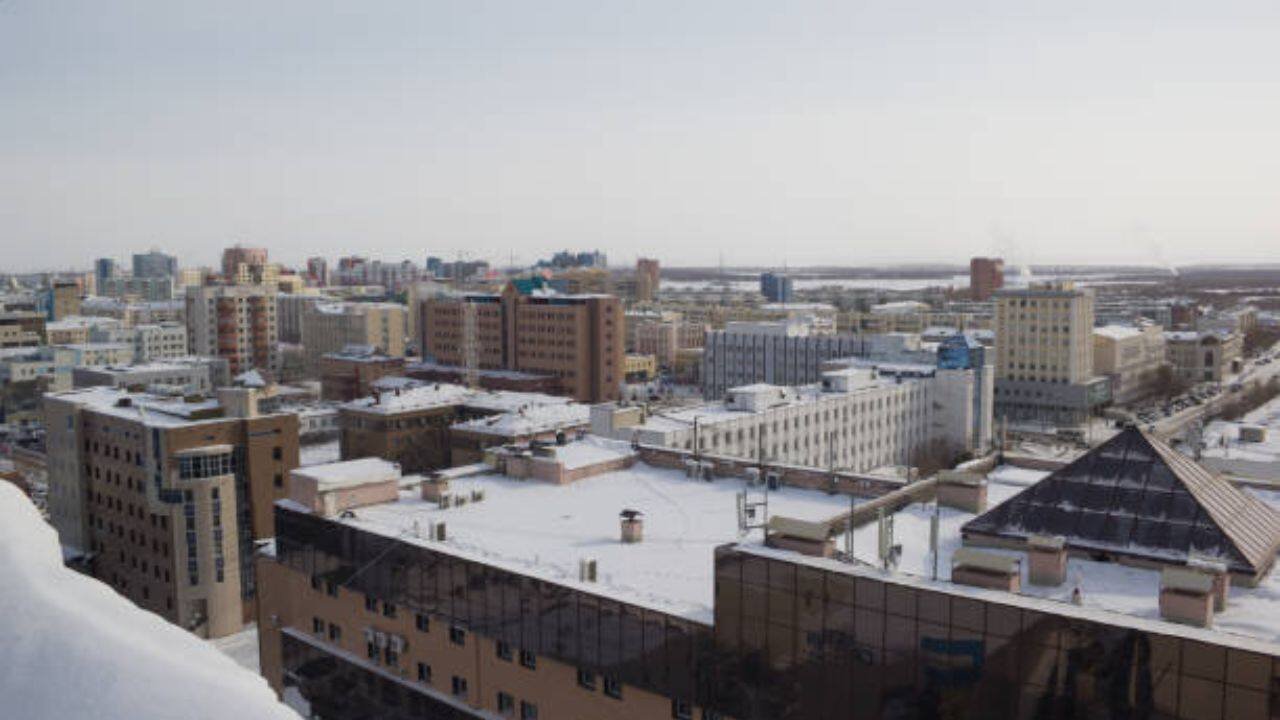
(1135, 495)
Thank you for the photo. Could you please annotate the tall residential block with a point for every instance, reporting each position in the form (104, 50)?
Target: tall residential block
(154, 264)
(163, 497)
(529, 327)
(777, 287)
(986, 276)
(236, 322)
(648, 276)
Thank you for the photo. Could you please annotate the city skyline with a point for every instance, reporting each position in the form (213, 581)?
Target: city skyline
(851, 135)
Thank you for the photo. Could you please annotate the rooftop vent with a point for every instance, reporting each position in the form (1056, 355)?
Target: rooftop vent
(632, 525)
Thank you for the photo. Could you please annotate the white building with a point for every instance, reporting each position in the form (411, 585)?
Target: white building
(159, 341)
(858, 418)
(788, 352)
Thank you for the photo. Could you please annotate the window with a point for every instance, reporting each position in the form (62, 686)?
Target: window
(278, 481)
(392, 657)
(335, 632)
(612, 687)
(528, 659)
(424, 672)
(277, 453)
(331, 589)
(371, 604)
(528, 711)
(506, 703)
(680, 710)
(422, 622)
(372, 650)
(459, 686)
(586, 679)
(389, 609)
(457, 635)
(317, 626)
(503, 650)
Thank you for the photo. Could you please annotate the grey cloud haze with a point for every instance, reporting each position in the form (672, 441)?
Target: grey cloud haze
(769, 132)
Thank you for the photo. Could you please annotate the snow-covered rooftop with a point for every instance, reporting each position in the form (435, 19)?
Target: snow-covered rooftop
(350, 473)
(1106, 587)
(151, 410)
(1117, 332)
(423, 396)
(530, 420)
(545, 530)
(75, 648)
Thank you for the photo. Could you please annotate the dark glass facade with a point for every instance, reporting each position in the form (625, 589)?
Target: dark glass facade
(789, 641)
(337, 689)
(802, 642)
(637, 646)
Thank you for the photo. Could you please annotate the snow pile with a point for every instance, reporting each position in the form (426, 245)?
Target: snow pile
(75, 649)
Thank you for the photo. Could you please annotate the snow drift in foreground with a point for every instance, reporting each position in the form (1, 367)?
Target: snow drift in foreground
(73, 648)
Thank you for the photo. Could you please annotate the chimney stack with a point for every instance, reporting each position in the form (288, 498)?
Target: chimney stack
(632, 526)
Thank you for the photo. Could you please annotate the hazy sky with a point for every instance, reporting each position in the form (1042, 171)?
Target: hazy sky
(768, 132)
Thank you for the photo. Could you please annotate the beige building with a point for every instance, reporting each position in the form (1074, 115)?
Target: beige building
(662, 335)
(1132, 357)
(331, 327)
(236, 322)
(149, 489)
(1206, 356)
(21, 328)
(578, 339)
(1044, 354)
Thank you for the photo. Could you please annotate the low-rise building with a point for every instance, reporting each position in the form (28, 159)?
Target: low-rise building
(21, 328)
(413, 424)
(101, 353)
(858, 418)
(350, 374)
(188, 374)
(26, 374)
(1203, 356)
(1132, 357)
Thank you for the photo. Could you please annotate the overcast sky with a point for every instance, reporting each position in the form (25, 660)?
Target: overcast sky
(766, 132)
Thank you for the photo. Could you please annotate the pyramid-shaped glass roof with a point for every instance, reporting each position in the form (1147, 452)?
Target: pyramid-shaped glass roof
(1136, 496)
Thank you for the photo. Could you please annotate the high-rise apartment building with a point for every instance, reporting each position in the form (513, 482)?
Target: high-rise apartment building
(64, 299)
(1044, 354)
(777, 287)
(154, 264)
(318, 271)
(986, 276)
(529, 327)
(332, 326)
(165, 495)
(104, 269)
(248, 266)
(236, 322)
(648, 276)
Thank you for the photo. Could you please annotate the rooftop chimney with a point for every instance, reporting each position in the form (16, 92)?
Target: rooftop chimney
(632, 526)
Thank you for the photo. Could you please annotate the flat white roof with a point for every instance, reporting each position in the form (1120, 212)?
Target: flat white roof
(544, 530)
(530, 420)
(350, 473)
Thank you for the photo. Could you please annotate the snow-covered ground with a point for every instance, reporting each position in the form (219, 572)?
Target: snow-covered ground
(74, 648)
